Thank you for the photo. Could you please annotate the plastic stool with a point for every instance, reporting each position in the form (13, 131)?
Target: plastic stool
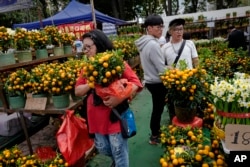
(197, 122)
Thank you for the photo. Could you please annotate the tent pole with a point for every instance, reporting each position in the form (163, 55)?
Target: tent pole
(93, 12)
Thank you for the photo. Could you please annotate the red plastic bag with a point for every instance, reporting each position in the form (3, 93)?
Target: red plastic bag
(118, 88)
(72, 138)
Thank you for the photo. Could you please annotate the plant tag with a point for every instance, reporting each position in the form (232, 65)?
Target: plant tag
(237, 137)
(36, 103)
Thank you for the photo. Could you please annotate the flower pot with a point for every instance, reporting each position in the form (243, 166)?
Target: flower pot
(7, 59)
(24, 56)
(58, 51)
(185, 114)
(41, 53)
(61, 101)
(68, 49)
(17, 101)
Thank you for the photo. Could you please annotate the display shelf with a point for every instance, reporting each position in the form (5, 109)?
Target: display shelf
(199, 29)
(50, 109)
(33, 62)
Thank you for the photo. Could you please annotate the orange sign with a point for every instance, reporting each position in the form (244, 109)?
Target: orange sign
(77, 28)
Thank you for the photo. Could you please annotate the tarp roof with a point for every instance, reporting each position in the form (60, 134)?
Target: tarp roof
(73, 12)
(12, 5)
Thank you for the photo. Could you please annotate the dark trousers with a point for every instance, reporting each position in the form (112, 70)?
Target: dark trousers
(171, 111)
(158, 92)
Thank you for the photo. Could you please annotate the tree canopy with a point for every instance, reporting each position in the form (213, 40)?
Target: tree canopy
(122, 9)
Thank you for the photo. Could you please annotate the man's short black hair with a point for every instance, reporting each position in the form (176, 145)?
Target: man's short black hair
(153, 20)
(231, 27)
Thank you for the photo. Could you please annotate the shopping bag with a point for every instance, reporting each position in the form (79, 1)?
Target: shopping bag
(118, 88)
(127, 122)
(72, 138)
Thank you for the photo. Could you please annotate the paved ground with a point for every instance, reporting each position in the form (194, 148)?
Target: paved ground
(45, 137)
(140, 151)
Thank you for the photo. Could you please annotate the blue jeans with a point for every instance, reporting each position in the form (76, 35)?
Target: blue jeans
(115, 146)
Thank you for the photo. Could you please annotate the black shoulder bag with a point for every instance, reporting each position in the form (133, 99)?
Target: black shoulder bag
(179, 53)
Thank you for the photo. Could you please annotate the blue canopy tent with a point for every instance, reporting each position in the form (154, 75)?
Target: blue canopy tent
(73, 12)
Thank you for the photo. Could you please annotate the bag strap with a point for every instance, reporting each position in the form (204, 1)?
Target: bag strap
(179, 53)
(116, 113)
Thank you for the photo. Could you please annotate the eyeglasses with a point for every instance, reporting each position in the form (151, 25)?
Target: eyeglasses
(87, 47)
(178, 29)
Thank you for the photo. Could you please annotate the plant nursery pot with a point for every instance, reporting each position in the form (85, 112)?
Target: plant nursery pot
(7, 59)
(41, 53)
(17, 101)
(58, 51)
(185, 114)
(68, 49)
(61, 101)
(24, 56)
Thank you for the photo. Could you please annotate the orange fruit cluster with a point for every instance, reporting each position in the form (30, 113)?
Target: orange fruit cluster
(186, 86)
(104, 68)
(189, 147)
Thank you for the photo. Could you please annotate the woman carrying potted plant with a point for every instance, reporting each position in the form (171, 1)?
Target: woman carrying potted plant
(108, 138)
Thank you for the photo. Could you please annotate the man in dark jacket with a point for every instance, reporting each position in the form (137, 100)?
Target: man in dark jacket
(236, 39)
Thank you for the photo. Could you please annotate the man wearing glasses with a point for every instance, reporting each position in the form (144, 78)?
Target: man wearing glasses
(170, 51)
(153, 63)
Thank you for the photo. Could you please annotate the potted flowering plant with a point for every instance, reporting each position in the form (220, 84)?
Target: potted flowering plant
(22, 43)
(38, 85)
(232, 100)
(55, 37)
(60, 80)
(6, 39)
(103, 73)
(128, 48)
(187, 88)
(40, 40)
(103, 68)
(68, 40)
(6, 43)
(22, 39)
(16, 86)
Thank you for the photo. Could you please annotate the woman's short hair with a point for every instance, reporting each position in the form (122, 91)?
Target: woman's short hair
(101, 41)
